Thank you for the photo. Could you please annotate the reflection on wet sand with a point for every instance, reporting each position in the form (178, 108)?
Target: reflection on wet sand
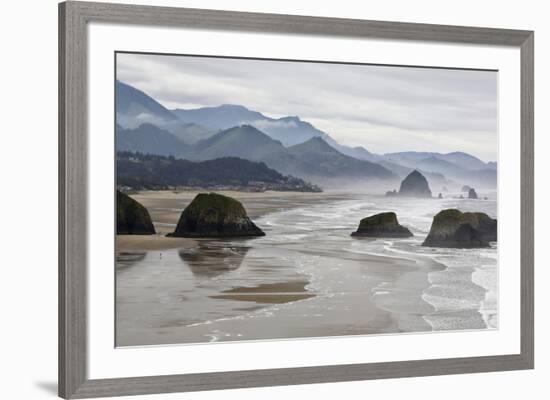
(211, 259)
(128, 259)
(307, 278)
(268, 293)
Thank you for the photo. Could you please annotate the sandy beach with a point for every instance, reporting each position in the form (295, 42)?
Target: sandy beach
(306, 278)
(165, 208)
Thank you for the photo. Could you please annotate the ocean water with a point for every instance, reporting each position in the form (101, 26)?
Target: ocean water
(357, 285)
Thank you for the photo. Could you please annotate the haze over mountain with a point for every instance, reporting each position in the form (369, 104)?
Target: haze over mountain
(221, 117)
(458, 166)
(313, 159)
(149, 139)
(288, 144)
(289, 130)
(241, 141)
(435, 179)
(134, 108)
(358, 105)
(461, 159)
(317, 151)
(138, 107)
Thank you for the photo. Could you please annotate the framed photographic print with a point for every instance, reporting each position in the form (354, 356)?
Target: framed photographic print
(256, 199)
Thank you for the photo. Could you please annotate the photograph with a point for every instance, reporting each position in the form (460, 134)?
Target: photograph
(266, 199)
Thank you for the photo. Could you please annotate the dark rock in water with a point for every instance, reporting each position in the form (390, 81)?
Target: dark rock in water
(131, 217)
(415, 185)
(215, 215)
(472, 194)
(382, 225)
(440, 196)
(391, 193)
(465, 188)
(452, 228)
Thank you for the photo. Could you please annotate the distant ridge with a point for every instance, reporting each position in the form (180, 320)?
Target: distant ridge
(133, 102)
(457, 166)
(134, 108)
(193, 127)
(242, 141)
(288, 130)
(313, 158)
(221, 117)
(139, 171)
(318, 152)
(148, 138)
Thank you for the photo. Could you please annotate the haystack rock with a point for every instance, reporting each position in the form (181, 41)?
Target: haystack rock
(472, 194)
(415, 185)
(131, 217)
(215, 215)
(382, 225)
(455, 229)
(465, 188)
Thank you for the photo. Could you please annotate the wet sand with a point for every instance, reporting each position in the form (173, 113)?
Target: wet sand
(306, 278)
(268, 293)
(376, 295)
(165, 208)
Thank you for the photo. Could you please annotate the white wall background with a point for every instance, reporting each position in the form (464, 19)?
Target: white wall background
(28, 198)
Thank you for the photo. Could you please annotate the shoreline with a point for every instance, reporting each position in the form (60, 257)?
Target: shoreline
(276, 287)
(166, 206)
(263, 301)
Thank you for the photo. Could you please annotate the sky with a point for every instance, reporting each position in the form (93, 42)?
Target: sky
(382, 108)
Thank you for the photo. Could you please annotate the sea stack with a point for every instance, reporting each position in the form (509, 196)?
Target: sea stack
(131, 217)
(215, 215)
(383, 225)
(472, 194)
(455, 229)
(415, 185)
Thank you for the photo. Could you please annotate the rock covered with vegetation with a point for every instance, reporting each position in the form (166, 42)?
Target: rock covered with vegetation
(382, 225)
(415, 185)
(132, 218)
(455, 229)
(215, 215)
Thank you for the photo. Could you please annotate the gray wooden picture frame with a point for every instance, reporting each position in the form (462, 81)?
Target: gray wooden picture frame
(73, 172)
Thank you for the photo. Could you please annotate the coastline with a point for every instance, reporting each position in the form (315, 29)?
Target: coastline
(274, 311)
(166, 206)
(306, 278)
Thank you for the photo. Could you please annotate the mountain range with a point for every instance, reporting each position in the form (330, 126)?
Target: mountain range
(134, 108)
(313, 159)
(288, 144)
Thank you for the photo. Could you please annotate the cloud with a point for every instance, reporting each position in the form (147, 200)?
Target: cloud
(382, 108)
(266, 124)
